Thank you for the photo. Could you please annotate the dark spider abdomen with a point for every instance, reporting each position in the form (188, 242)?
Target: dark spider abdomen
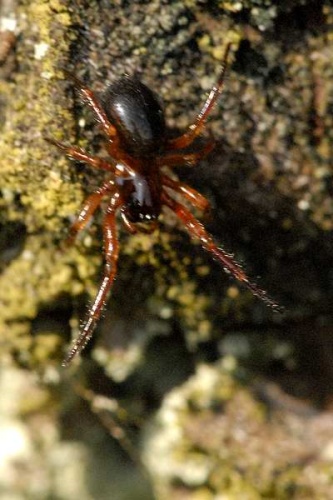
(135, 111)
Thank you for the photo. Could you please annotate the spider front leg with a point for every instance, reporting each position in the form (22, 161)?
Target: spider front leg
(197, 230)
(90, 205)
(111, 247)
(197, 127)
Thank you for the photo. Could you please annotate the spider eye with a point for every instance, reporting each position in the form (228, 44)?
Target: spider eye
(138, 213)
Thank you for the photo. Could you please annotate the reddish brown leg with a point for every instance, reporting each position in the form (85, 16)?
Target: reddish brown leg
(197, 230)
(196, 128)
(89, 97)
(88, 209)
(189, 159)
(111, 247)
(80, 155)
(191, 195)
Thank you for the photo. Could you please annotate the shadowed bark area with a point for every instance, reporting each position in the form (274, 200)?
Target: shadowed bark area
(178, 335)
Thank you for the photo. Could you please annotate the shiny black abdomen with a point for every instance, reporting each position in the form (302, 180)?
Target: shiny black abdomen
(137, 115)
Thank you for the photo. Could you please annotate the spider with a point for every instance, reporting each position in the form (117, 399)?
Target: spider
(133, 122)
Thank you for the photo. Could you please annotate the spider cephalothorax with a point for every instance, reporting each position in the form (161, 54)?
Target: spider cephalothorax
(133, 122)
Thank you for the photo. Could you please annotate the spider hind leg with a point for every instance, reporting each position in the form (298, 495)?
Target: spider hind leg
(75, 153)
(199, 123)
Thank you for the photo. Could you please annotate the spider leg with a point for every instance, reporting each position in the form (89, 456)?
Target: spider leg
(197, 230)
(196, 128)
(191, 195)
(81, 155)
(89, 97)
(111, 247)
(189, 159)
(90, 205)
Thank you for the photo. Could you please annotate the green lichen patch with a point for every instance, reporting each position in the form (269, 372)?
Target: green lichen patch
(27, 168)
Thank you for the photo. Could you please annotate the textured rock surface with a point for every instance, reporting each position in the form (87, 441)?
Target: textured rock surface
(270, 183)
